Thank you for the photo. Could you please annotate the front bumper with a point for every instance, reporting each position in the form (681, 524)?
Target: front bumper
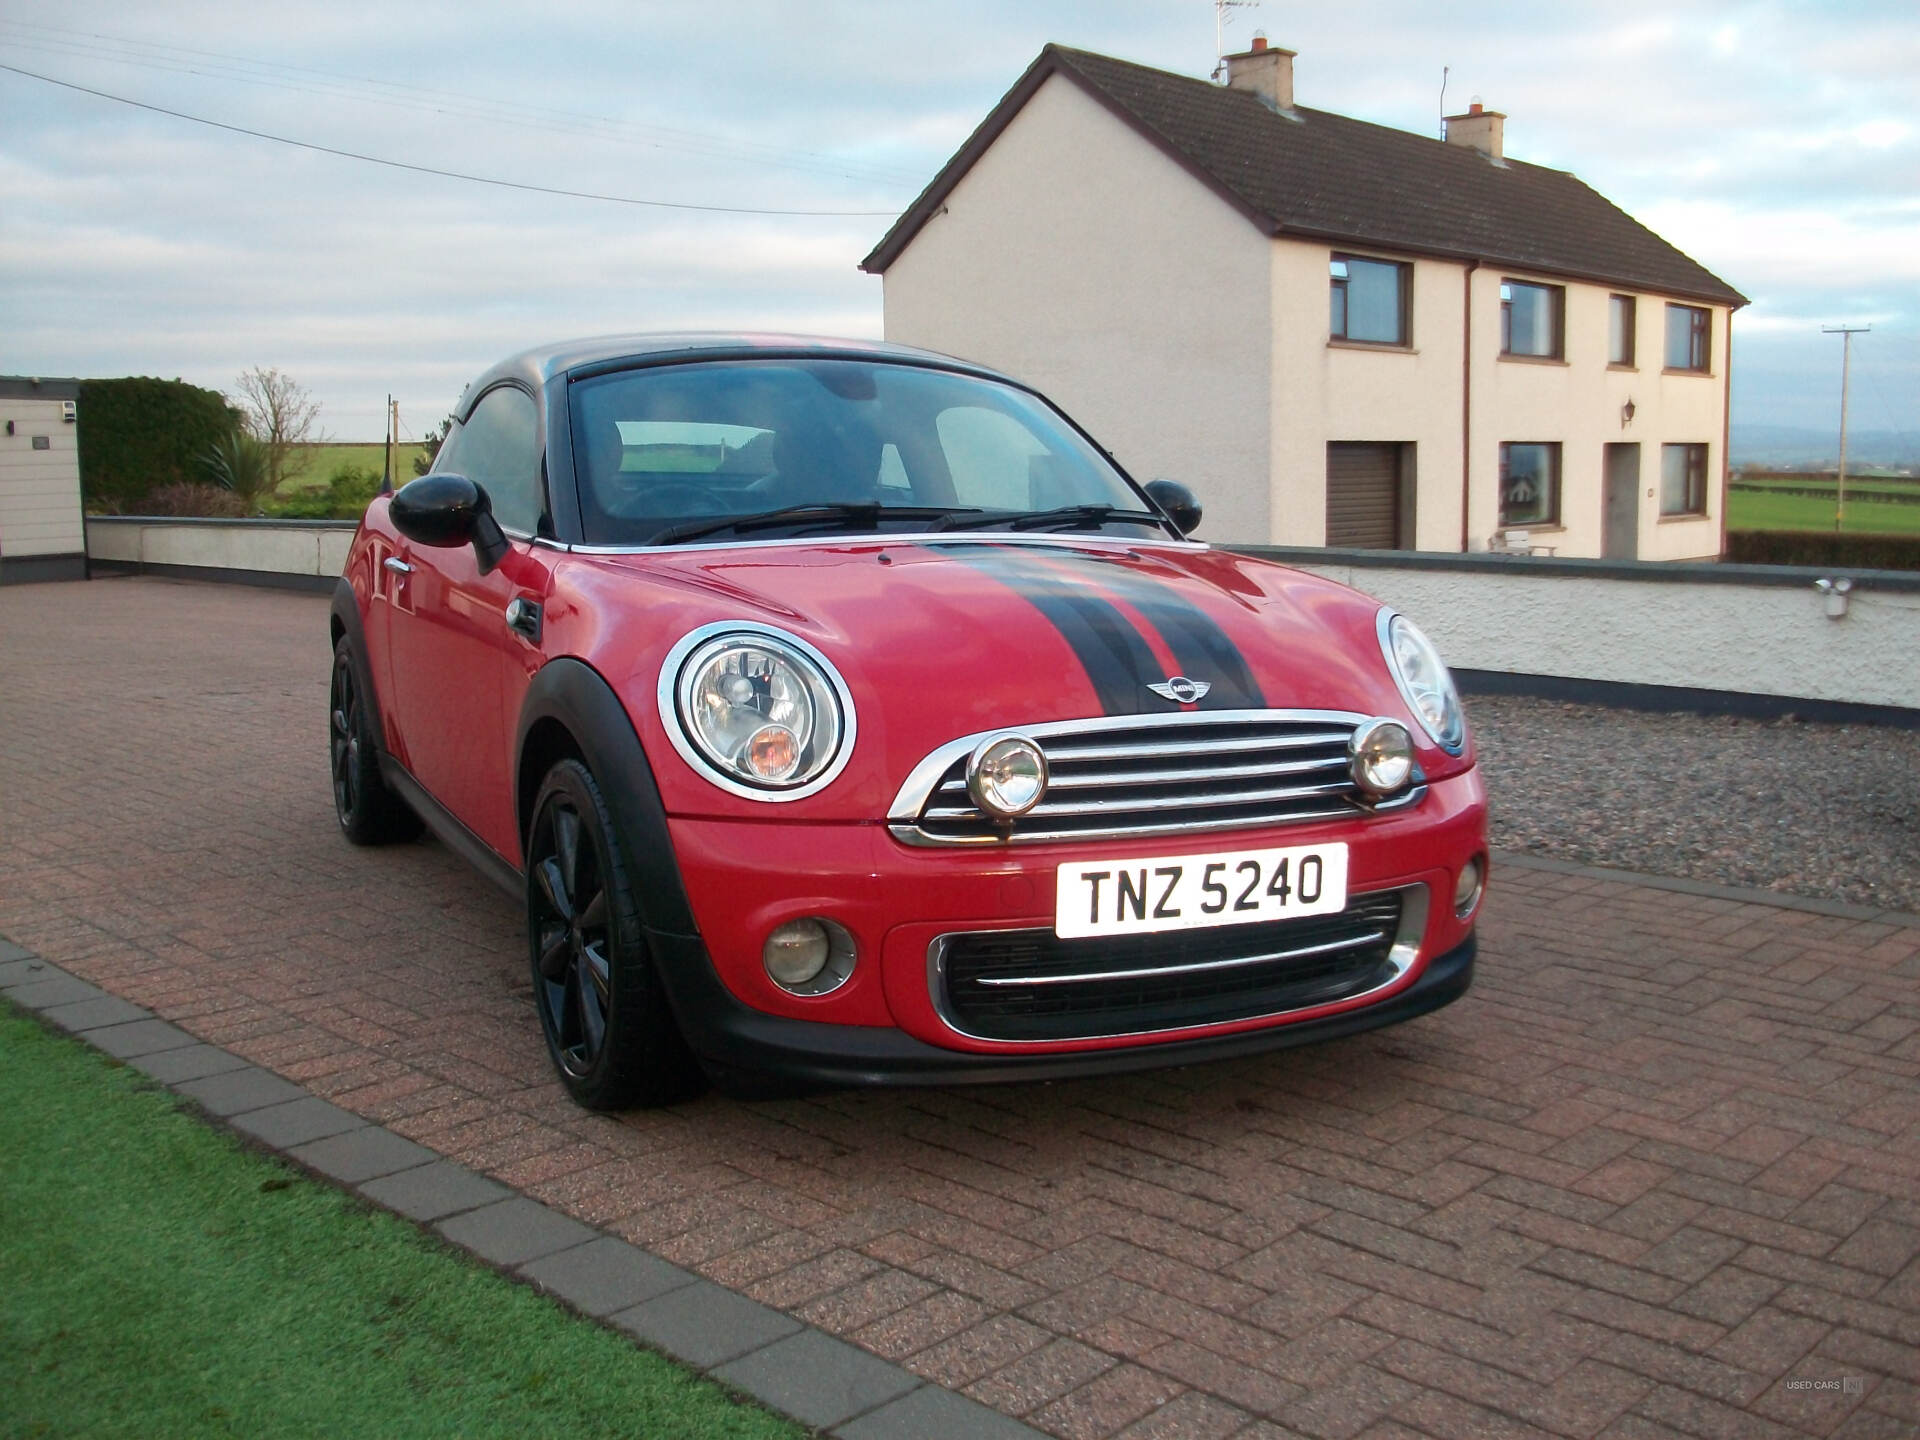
(885, 1025)
(727, 1034)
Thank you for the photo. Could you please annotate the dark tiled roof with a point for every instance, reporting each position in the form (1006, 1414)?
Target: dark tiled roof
(1325, 176)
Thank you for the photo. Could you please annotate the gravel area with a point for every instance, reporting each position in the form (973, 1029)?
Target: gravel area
(1830, 811)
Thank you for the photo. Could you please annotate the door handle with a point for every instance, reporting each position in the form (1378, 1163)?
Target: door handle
(523, 618)
(397, 565)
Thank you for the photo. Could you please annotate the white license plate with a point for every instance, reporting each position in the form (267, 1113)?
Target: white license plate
(1192, 892)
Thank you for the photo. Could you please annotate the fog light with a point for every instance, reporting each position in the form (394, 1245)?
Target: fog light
(808, 957)
(1380, 756)
(1466, 890)
(1006, 775)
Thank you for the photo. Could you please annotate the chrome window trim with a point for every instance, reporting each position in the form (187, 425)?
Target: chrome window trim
(1414, 904)
(903, 537)
(666, 698)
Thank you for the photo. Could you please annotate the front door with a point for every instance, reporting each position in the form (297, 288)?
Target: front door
(459, 670)
(1620, 530)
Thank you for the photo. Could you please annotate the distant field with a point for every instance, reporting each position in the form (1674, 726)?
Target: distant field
(1751, 510)
(315, 463)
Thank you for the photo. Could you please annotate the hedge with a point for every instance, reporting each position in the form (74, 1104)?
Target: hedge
(139, 434)
(1824, 548)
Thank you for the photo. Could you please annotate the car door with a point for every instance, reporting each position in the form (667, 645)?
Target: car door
(452, 646)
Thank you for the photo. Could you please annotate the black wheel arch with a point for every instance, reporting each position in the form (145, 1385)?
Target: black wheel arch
(571, 711)
(345, 620)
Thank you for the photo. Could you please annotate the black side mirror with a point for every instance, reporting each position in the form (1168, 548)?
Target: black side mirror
(1175, 500)
(445, 510)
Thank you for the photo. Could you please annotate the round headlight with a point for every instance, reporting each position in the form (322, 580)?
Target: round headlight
(759, 710)
(1006, 775)
(1380, 755)
(1423, 680)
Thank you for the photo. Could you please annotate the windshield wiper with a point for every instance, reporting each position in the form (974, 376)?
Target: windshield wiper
(1064, 517)
(866, 514)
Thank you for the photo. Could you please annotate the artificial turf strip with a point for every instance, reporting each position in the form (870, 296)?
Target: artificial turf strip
(157, 1280)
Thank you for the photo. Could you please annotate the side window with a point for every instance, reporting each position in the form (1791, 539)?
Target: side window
(991, 457)
(498, 449)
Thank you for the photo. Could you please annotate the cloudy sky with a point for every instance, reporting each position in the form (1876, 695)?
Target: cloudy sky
(1779, 144)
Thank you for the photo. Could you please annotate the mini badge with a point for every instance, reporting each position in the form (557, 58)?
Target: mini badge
(1181, 689)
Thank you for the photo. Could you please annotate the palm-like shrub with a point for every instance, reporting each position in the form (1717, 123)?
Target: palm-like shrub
(239, 463)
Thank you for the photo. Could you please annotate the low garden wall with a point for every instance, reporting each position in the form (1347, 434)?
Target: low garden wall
(1747, 638)
(300, 554)
(1700, 636)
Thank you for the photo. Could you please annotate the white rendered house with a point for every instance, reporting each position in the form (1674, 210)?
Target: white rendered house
(1337, 333)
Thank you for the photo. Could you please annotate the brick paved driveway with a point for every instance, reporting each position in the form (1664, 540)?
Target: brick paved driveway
(1653, 1176)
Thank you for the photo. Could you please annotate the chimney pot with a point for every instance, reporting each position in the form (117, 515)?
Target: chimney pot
(1266, 71)
(1479, 129)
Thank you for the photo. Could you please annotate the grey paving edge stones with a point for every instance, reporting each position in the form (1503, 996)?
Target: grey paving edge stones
(817, 1378)
(605, 1275)
(706, 1324)
(794, 1368)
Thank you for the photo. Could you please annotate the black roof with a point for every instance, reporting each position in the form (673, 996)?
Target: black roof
(543, 363)
(1315, 175)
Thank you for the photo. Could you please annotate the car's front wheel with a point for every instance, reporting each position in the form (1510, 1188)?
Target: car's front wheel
(609, 1030)
(369, 813)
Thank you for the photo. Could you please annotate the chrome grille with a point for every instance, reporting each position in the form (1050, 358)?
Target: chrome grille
(1150, 775)
(1029, 985)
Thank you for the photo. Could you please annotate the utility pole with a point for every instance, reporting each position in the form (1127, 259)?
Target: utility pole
(386, 480)
(1846, 368)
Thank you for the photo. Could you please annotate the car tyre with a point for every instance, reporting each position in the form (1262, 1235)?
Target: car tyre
(369, 812)
(610, 1032)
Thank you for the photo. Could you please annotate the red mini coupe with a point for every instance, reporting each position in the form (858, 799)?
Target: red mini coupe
(842, 713)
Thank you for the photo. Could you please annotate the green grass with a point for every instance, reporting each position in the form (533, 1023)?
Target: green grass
(156, 1281)
(315, 464)
(1751, 510)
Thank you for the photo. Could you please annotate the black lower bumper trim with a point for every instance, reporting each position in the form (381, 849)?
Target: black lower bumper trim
(733, 1037)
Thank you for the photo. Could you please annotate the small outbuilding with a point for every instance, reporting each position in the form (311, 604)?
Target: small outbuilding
(42, 533)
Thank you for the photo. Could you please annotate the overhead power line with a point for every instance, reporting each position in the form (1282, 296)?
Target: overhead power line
(300, 79)
(445, 174)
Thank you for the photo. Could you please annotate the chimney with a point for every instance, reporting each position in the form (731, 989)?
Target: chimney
(1480, 129)
(1266, 71)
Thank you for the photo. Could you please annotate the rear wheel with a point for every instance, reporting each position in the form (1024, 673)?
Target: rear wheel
(608, 1027)
(369, 813)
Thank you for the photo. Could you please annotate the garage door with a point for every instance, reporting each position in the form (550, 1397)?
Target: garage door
(1363, 497)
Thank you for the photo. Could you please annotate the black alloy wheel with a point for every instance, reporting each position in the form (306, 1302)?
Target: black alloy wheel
(369, 813)
(608, 1028)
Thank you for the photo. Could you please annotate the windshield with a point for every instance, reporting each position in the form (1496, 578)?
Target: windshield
(676, 451)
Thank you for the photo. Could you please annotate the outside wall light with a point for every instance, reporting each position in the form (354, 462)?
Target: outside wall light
(1836, 591)
(1626, 414)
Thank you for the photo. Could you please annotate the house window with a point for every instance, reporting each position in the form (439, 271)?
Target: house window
(1530, 483)
(1531, 319)
(1620, 316)
(1688, 330)
(1370, 300)
(1683, 479)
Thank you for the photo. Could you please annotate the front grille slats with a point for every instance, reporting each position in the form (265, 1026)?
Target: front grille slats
(1158, 745)
(1073, 777)
(1031, 985)
(1129, 777)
